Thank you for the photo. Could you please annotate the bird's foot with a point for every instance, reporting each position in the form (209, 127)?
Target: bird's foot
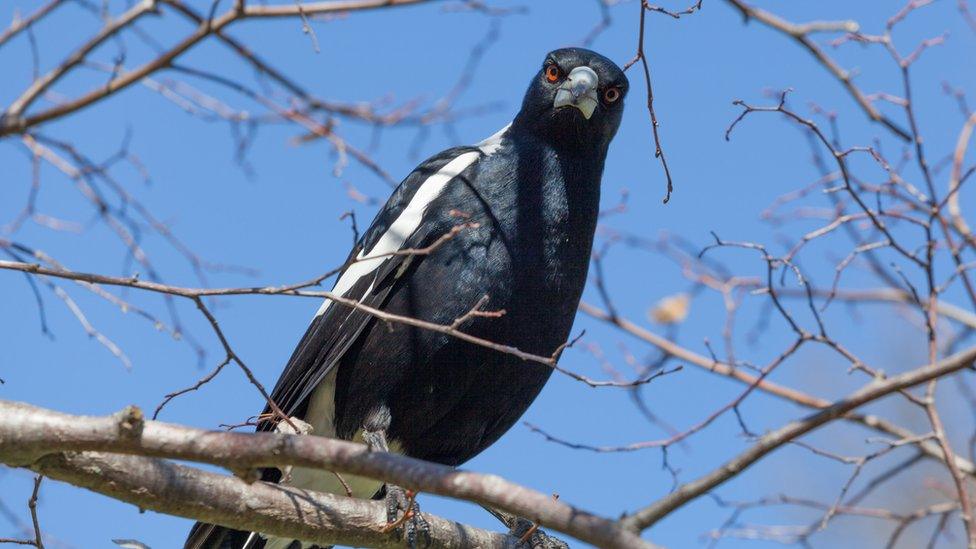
(531, 536)
(411, 525)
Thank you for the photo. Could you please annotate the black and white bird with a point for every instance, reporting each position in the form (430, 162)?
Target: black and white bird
(521, 207)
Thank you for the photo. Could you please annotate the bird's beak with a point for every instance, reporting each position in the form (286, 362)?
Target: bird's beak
(579, 90)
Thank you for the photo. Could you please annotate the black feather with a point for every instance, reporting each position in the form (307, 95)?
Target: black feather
(531, 204)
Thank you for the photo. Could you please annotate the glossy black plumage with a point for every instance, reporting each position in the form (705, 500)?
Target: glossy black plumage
(529, 201)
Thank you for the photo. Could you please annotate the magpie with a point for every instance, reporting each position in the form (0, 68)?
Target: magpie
(504, 227)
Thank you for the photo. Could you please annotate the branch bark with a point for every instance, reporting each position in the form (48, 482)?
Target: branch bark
(188, 492)
(28, 435)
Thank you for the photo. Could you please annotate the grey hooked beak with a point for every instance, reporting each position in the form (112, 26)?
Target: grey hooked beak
(579, 90)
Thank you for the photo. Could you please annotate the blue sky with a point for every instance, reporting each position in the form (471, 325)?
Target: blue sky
(283, 221)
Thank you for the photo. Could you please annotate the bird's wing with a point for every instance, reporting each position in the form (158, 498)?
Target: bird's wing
(372, 269)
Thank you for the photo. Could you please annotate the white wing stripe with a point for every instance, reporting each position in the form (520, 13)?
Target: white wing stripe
(405, 224)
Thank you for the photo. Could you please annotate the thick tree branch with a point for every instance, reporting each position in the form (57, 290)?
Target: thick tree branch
(28, 433)
(166, 487)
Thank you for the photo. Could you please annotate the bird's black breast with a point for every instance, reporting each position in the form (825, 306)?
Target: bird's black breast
(529, 218)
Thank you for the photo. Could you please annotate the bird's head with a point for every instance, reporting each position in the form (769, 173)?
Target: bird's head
(576, 97)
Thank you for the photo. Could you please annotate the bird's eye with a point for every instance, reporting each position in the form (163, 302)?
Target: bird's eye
(611, 95)
(553, 73)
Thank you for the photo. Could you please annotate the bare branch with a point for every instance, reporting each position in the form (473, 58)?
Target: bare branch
(800, 33)
(28, 434)
(642, 57)
(781, 391)
(647, 516)
(21, 24)
(192, 493)
(14, 120)
(195, 295)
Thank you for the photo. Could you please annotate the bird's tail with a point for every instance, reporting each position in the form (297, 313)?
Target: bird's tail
(211, 536)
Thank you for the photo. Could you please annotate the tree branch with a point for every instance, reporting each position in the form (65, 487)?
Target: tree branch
(29, 433)
(166, 487)
(20, 24)
(195, 294)
(13, 120)
(929, 448)
(801, 34)
(687, 492)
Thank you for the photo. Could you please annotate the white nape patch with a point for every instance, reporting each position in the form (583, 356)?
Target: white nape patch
(493, 143)
(401, 228)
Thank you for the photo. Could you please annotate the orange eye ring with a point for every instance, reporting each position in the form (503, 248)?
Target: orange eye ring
(611, 95)
(553, 73)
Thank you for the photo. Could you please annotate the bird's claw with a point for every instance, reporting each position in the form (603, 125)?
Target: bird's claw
(411, 525)
(532, 537)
